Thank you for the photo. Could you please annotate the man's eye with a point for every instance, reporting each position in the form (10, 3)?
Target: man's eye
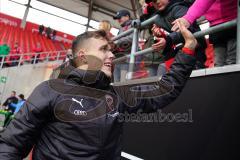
(105, 49)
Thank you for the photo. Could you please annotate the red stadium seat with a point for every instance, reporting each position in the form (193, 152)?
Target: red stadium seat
(28, 40)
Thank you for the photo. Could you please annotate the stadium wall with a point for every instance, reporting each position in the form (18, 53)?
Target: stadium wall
(202, 123)
(24, 79)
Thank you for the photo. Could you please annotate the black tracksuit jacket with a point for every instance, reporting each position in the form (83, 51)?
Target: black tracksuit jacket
(78, 117)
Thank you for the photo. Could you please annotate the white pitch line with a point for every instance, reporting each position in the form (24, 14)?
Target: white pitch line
(129, 156)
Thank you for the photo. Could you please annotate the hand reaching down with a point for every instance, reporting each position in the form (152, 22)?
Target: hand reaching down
(175, 27)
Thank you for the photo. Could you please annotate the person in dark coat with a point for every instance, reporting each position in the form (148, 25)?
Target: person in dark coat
(80, 116)
(169, 11)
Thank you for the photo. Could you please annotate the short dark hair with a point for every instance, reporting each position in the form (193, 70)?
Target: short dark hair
(14, 92)
(80, 39)
(21, 96)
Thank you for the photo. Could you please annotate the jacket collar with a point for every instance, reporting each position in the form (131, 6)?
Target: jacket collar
(94, 79)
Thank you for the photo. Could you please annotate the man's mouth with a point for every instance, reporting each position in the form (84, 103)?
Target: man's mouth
(108, 64)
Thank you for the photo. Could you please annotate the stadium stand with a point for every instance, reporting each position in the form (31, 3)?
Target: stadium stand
(27, 39)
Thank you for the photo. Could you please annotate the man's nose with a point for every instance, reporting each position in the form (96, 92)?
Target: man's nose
(111, 55)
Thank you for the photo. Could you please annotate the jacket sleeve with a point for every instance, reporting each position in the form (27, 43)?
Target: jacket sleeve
(20, 135)
(198, 9)
(150, 97)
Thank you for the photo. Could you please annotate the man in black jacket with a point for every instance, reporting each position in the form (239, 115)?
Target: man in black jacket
(77, 117)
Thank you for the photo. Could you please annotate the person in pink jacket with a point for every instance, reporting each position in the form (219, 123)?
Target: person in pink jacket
(216, 12)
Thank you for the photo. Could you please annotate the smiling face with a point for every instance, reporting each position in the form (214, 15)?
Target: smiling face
(92, 51)
(99, 56)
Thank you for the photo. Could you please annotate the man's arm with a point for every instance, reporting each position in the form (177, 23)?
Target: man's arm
(156, 95)
(178, 74)
(19, 137)
(174, 81)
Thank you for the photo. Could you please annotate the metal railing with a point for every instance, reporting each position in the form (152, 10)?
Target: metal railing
(196, 34)
(238, 35)
(136, 26)
(31, 57)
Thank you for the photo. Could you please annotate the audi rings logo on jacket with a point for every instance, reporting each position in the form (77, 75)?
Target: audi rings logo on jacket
(84, 108)
(78, 112)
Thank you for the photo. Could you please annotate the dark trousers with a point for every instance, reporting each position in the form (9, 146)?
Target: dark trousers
(224, 43)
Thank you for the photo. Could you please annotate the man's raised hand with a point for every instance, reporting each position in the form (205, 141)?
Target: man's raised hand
(190, 40)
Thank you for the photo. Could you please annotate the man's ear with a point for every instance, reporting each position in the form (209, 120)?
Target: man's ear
(81, 55)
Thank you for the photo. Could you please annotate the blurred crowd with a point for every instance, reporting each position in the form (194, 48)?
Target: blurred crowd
(164, 36)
